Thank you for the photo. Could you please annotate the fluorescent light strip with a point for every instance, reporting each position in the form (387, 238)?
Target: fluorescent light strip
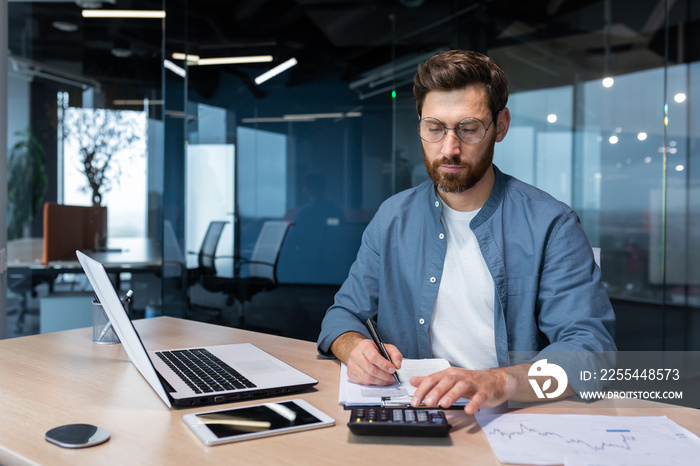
(182, 56)
(133, 102)
(275, 71)
(153, 14)
(234, 60)
(301, 117)
(174, 68)
(306, 116)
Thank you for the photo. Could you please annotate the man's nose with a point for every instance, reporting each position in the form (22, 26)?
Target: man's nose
(450, 143)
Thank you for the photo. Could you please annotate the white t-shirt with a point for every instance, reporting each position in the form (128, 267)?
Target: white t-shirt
(461, 327)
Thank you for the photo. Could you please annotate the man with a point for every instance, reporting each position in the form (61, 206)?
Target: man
(471, 264)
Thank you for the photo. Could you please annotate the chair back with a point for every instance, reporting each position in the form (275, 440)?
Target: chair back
(267, 249)
(596, 255)
(207, 251)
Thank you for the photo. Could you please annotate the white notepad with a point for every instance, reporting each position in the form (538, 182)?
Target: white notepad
(352, 394)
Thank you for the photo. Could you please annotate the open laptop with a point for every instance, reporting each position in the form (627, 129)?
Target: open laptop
(248, 371)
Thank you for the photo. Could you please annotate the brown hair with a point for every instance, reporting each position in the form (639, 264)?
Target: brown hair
(456, 69)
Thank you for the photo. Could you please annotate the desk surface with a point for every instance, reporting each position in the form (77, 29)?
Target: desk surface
(98, 385)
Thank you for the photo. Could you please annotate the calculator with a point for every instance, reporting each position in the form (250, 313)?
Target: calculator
(399, 422)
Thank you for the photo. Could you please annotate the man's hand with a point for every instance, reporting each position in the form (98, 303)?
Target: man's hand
(365, 363)
(483, 388)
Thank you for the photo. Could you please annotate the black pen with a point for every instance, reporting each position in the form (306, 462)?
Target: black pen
(380, 345)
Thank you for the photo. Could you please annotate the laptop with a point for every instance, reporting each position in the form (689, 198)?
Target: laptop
(233, 372)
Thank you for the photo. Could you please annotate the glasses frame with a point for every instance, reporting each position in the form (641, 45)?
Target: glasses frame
(446, 128)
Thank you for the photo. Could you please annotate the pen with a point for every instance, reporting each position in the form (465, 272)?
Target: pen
(380, 345)
(126, 302)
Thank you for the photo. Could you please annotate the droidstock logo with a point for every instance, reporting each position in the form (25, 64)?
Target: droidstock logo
(543, 369)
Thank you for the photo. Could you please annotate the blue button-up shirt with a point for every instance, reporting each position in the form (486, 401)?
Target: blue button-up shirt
(549, 294)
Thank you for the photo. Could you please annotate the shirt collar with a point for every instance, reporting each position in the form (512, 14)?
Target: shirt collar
(489, 207)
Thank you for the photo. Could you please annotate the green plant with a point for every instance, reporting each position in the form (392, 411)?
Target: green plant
(26, 183)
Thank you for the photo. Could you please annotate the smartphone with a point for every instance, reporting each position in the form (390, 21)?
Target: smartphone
(254, 421)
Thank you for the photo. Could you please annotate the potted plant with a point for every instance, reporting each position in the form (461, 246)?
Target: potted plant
(26, 184)
(99, 135)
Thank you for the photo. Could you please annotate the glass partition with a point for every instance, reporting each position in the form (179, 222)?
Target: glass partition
(86, 113)
(602, 102)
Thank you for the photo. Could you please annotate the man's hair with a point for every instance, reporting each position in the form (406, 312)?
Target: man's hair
(457, 69)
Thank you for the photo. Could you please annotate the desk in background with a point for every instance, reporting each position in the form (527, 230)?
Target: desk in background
(26, 269)
(63, 378)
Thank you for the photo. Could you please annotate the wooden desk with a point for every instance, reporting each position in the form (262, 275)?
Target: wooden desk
(75, 381)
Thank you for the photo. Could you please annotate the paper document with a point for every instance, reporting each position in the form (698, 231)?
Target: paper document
(579, 439)
(352, 394)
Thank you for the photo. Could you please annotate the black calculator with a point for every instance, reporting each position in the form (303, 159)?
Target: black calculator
(399, 421)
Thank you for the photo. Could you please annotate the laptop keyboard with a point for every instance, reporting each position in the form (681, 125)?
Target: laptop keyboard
(203, 372)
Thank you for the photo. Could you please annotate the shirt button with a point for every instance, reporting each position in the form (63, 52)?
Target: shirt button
(442, 236)
(433, 279)
(437, 203)
(421, 321)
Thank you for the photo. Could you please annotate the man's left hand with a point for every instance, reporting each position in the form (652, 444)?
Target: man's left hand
(486, 388)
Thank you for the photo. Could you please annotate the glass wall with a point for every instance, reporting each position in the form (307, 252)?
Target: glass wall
(324, 142)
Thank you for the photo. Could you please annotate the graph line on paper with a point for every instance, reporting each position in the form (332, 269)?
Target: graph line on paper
(624, 443)
(557, 438)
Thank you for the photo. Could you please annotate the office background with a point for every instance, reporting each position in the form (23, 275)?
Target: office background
(325, 142)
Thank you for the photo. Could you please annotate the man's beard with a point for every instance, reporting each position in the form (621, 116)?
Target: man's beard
(464, 179)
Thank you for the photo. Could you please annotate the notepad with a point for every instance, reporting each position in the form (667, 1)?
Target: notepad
(352, 394)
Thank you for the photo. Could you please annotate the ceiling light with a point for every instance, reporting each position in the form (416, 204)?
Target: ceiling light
(123, 14)
(234, 60)
(182, 56)
(302, 117)
(608, 82)
(121, 52)
(174, 68)
(642, 136)
(90, 3)
(680, 168)
(552, 118)
(275, 71)
(65, 26)
(613, 139)
(306, 116)
(679, 98)
(136, 102)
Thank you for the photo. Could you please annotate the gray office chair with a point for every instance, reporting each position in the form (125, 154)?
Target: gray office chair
(596, 255)
(205, 272)
(261, 266)
(206, 256)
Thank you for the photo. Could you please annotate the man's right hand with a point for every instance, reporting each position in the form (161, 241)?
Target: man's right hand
(365, 363)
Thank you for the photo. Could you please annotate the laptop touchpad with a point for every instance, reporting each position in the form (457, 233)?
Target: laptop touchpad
(259, 367)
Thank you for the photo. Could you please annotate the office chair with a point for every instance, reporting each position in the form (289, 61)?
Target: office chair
(205, 272)
(206, 256)
(262, 265)
(596, 255)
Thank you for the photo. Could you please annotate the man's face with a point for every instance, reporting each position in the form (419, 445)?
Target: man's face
(453, 165)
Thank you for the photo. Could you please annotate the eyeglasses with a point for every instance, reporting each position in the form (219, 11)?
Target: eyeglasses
(469, 130)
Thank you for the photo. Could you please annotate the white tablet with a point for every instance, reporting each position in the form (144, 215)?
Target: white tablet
(260, 420)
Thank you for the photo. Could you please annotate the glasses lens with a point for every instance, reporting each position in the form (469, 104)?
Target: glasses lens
(471, 130)
(431, 130)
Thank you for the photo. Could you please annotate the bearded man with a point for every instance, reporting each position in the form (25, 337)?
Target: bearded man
(471, 265)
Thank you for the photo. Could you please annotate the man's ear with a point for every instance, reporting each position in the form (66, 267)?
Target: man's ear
(502, 124)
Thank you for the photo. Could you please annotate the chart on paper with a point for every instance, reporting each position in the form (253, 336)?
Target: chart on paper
(580, 439)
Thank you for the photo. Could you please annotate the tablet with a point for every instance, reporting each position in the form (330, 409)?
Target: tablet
(254, 421)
